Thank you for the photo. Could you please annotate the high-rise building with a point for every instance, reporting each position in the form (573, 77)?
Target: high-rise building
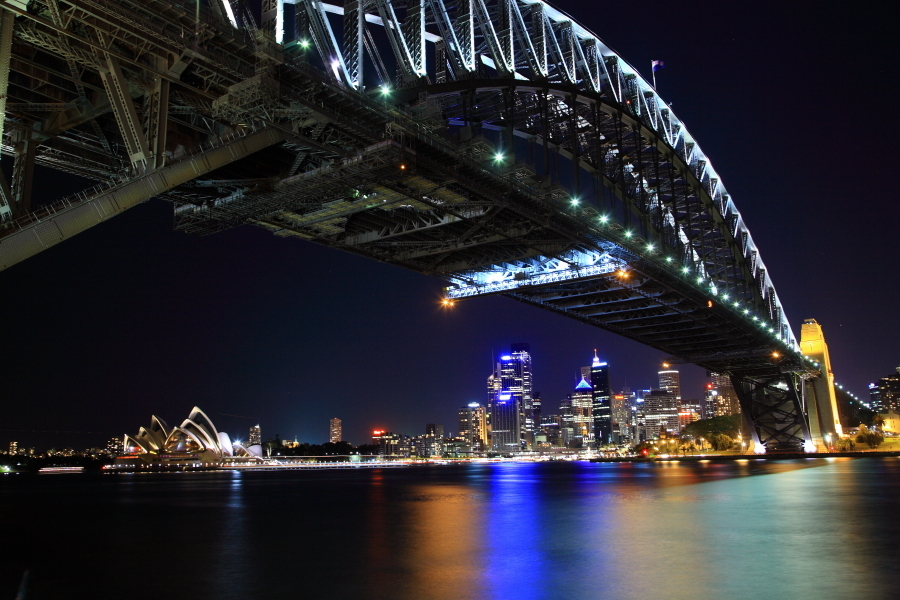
(660, 412)
(689, 411)
(888, 393)
(875, 397)
(473, 426)
(388, 443)
(670, 381)
(510, 397)
(114, 446)
(255, 438)
(601, 411)
(521, 354)
(335, 432)
(582, 411)
(720, 399)
(620, 412)
(13, 448)
(566, 422)
(433, 440)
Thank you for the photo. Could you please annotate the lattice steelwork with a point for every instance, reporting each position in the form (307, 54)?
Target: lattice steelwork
(497, 144)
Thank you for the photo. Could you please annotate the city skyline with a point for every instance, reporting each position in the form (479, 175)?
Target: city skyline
(130, 318)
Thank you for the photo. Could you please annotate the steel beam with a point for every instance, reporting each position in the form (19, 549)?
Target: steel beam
(6, 37)
(72, 217)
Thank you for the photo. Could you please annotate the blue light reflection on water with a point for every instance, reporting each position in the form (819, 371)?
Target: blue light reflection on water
(513, 565)
(740, 530)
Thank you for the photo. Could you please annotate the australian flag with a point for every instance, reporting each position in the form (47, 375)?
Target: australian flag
(657, 65)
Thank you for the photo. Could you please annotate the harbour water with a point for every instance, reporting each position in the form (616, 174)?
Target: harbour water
(807, 528)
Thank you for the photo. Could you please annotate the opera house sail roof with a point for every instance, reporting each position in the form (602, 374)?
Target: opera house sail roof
(195, 442)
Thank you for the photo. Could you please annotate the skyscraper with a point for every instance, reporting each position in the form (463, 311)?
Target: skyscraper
(661, 412)
(255, 438)
(583, 409)
(670, 381)
(620, 412)
(888, 393)
(510, 397)
(721, 399)
(601, 411)
(335, 431)
(473, 426)
(527, 423)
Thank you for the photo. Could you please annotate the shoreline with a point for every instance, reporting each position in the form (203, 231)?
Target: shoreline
(727, 457)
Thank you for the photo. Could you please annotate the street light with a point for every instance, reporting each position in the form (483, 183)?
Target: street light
(828, 442)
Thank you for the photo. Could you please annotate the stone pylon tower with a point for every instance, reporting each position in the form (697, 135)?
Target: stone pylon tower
(821, 401)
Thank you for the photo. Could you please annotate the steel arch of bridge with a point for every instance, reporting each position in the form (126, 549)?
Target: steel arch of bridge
(534, 48)
(527, 70)
(335, 97)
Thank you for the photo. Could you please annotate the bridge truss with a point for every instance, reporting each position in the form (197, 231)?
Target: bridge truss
(496, 144)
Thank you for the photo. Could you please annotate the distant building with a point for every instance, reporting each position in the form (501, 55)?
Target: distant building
(670, 381)
(433, 440)
(620, 411)
(582, 399)
(721, 400)
(510, 401)
(601, 411)
(888, 394)
(661, 413)
(388, 443)
(689, 411)
(875, 397)
(114, 447)
(473, 426)
(13, 448)
(335, 432)
(255, 438)
(566, 422)
(891, 421)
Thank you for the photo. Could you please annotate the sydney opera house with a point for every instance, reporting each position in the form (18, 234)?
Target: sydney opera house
(194, 443)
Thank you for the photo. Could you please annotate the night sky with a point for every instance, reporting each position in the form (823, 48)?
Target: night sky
(793, 105)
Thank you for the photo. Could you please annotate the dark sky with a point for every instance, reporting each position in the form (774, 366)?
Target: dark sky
(795, 108)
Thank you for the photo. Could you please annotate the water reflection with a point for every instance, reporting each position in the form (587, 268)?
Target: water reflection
(742, 530)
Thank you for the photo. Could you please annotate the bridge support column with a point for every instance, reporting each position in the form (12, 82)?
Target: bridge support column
(772, 408)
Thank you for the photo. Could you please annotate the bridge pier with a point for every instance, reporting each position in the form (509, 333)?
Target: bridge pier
(772, 409)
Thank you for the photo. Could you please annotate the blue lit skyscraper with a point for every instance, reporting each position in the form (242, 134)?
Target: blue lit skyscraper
(601, 412)
(510, 397)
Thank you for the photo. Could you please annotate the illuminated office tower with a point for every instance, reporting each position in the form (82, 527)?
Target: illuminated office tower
(335, 432)
(620, 412)
(721, 399)
(582, 411)
(473, 426)
(511, 408)
(660, 412)
(13, 448)
(601, 411)
(885, 394)
(670, 381)
(566, 422)
(255, 438)
(527, 423)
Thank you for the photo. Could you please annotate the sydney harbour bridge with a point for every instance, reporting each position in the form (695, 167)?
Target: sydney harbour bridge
(496, 144)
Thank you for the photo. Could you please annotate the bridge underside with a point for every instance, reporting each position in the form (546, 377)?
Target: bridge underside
(578, 194)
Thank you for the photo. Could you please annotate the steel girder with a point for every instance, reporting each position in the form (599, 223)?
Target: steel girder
(772, 409)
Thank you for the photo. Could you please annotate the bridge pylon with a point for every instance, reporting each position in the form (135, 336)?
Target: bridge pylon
(821, 399)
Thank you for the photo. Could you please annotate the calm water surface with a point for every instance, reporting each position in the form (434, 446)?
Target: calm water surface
(814, 528)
